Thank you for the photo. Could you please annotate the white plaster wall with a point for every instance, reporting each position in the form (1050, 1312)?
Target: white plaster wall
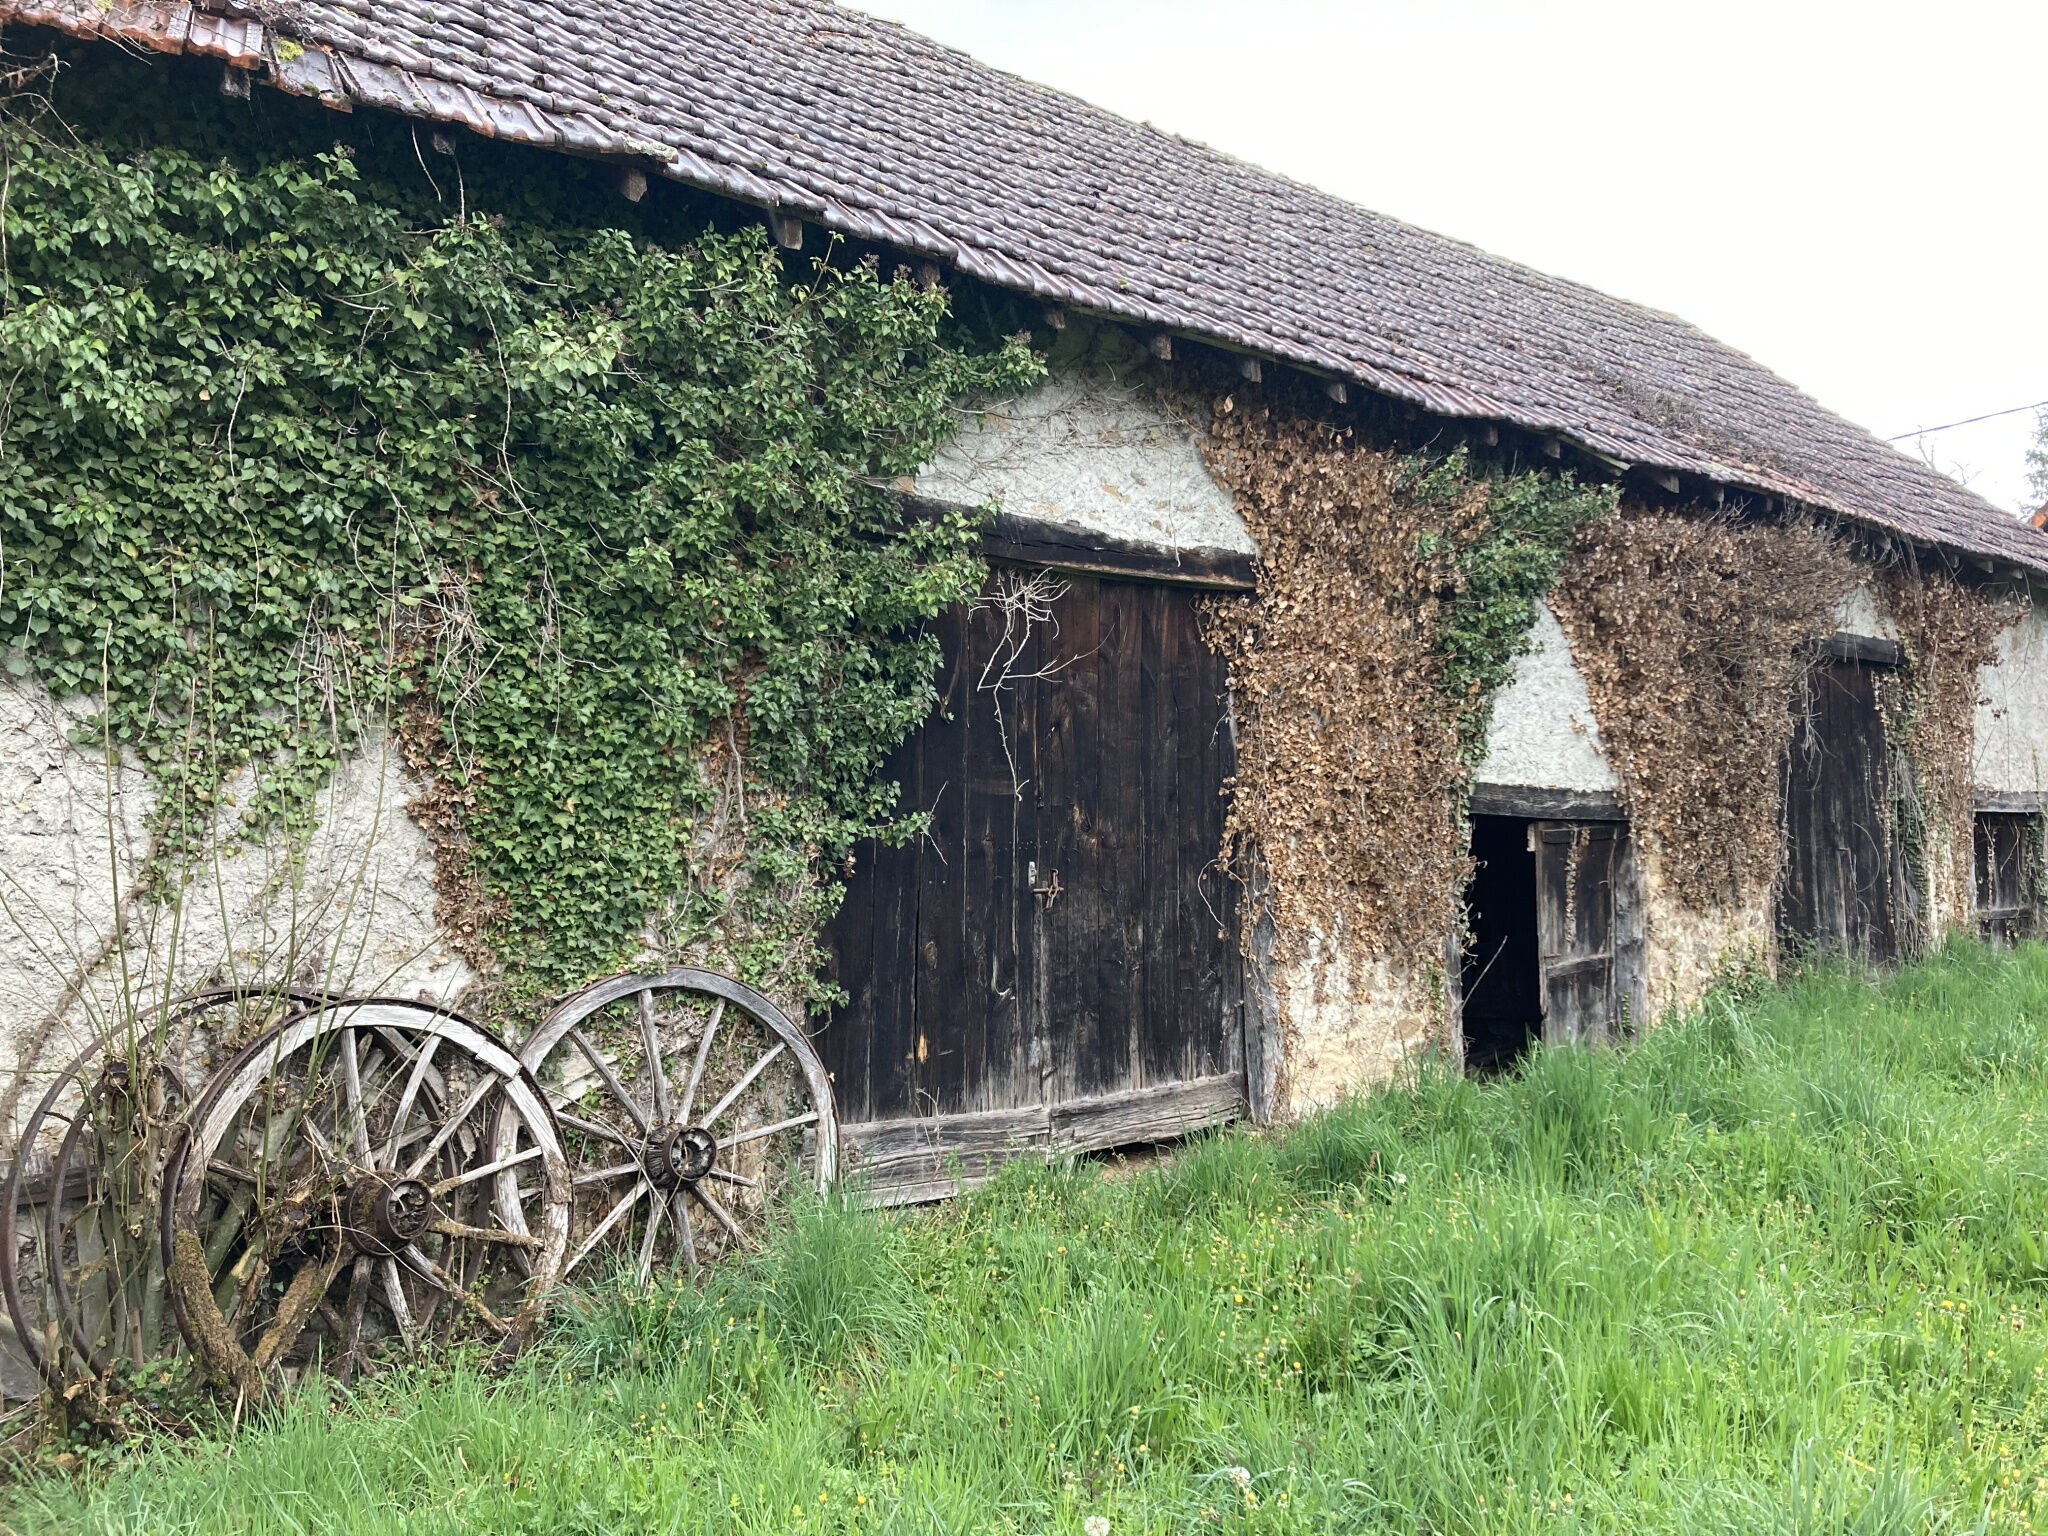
(2012, 710)
(1094, 454)
(1543, 733)
(354, 912)
(1859, 613)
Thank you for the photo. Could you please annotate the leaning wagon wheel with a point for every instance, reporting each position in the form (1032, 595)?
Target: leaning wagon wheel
(690, 1106)
(329, 1201)
(83, 1276)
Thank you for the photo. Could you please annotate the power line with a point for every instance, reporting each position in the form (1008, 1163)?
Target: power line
(1971, 421)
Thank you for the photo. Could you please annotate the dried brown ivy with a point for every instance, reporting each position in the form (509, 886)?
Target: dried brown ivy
(1692, 633)
(1393, 594)
(1949, 630)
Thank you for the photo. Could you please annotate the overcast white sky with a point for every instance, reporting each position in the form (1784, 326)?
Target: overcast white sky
(1854, 193)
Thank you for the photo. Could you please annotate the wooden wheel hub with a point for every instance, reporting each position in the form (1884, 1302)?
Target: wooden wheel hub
(386, 1216)
(680, 1154)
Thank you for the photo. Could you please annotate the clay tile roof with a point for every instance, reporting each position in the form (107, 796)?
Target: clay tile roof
(867, 128)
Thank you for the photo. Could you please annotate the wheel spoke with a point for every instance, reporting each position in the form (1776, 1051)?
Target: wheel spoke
(394, 1297)
(681, 1207)
(744, 1083)
(722, 1216)
(652, 1046)
(703, 1055)
(413, 1079)
(592, 1128)
(485, 1172)
(654, 1210)
(440, 1278)
(611, 1078)
(352, 1091)
(733, 1178)
(352, 1324)
(607, 1175)
(308, 1289)
(769, 1130)
(448, 1228)
(611, 1220)
(319, 1139)
(453, 1124)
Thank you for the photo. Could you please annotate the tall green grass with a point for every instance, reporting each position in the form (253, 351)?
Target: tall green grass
(1778, 1268)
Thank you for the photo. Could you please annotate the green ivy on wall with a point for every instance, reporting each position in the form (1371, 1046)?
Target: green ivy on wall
(286, 448)
(1506, 562)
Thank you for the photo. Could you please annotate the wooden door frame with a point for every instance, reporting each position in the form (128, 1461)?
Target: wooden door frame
(920, 1157)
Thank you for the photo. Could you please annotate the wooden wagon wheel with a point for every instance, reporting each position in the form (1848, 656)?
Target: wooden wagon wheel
(329, 1201)
(680, 1092)
(82, 1275)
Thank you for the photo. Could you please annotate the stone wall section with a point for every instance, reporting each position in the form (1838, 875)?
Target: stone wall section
(1093, 452)
(351, 909)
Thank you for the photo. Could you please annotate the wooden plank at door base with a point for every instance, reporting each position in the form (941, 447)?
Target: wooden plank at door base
(907, 1162)
(1147, 1114)
(903, 1162)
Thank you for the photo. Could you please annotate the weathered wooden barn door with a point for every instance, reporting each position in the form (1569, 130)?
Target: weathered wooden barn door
(1055, 964)
(1582, 929)
(1840, 890)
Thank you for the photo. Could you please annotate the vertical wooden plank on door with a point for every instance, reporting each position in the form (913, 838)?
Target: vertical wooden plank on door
(890, 1086)
(997, 693)
(1056, 788)
(1027, 742)
(1575, 867)
(1876, 934)
(844, 1044)
(1157, 1032)
(1181, 1044)
(1118, 849)
(940, 1012)
(966, 1081)
(1075, 919)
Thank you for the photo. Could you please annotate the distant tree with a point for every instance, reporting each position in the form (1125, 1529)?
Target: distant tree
(2037, 460)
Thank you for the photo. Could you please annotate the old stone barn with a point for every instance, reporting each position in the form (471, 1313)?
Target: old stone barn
(1379, 647)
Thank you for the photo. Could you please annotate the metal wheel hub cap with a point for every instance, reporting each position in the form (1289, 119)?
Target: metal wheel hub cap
(680, 1154)
(384, 1217)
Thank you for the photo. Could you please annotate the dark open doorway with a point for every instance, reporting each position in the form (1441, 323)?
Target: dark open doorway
(1555, 949)
(1503, 995)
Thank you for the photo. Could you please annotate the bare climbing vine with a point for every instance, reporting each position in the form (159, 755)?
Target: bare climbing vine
(1949, 629)
(1024, 602)
(1692, 633)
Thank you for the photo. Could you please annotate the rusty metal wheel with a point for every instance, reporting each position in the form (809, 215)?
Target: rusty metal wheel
(80, 1265)
(332, 1200)
(678, 1093)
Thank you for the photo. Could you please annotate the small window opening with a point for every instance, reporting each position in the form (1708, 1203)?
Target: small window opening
(1502, 987)
(2008, 860)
